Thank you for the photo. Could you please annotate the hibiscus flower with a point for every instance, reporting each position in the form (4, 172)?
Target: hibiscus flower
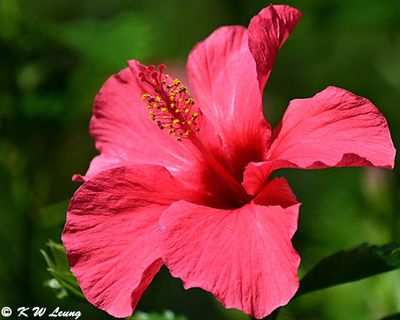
(184, 180)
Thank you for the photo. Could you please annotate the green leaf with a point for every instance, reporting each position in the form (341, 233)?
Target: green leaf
(63, 282)
(61, 293)
(392, 317)
(167, 315)
(351, 265)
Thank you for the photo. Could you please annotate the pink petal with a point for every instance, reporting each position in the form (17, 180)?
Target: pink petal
(335, 128)
(111, 234)
(256, 175)
(268, 31)
(224, 82)
(124, 133)
(276, 193)
(243, 256)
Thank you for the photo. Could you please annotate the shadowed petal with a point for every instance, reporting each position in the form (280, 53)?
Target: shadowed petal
(223, 76)
(276, 193)
(256, 175)
(111, 235)
(244, 256)
(335, 128)
(268, 31)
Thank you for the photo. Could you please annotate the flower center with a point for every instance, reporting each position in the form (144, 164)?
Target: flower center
(170, 104)
(171, 107)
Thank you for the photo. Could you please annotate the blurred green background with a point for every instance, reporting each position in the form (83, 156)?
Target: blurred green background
(54, 56)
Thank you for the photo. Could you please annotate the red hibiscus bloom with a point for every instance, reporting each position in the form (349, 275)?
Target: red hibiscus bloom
(196, 195)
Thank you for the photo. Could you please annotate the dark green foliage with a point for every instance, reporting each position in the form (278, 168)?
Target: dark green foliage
(351, 265)
(64, 282)
(392, 317)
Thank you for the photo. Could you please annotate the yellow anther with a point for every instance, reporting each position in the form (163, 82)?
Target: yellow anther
(158, 99)
(164, 109)
(148, 107)
(145, 96)
(180, 100)
(167, 125)
(195, 115)
(165, 117)
(176, 121)
(172, 105)
(172, 97)
(177, 110)
(187, 133)
(187, 111)
(189, 123)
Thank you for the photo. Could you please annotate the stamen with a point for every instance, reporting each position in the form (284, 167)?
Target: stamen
(170, 103)
(171, 107)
